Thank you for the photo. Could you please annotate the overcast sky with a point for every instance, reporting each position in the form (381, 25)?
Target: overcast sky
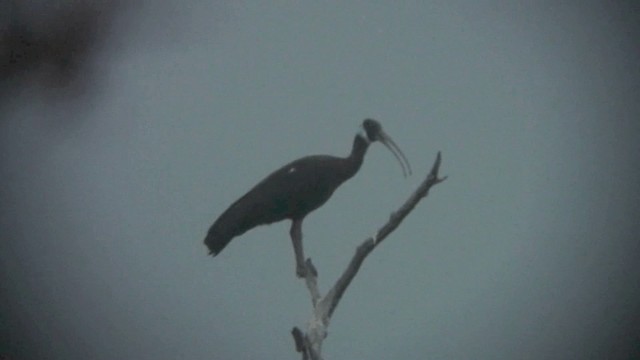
(528, 251)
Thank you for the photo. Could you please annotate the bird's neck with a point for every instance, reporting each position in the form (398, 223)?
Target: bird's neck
(359, 149)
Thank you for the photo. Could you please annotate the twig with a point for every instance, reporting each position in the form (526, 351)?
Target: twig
(335, 294)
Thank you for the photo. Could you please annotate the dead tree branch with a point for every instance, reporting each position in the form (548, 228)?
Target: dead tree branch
(310, 343)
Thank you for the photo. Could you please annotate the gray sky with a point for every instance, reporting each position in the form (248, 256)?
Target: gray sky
(527, 251)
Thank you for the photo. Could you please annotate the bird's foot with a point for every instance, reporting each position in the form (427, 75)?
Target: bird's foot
(301, 270)
(306, 269)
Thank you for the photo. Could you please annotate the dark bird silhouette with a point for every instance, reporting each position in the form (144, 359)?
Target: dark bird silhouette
(295, 190)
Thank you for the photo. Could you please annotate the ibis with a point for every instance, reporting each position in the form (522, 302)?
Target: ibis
(295, 190)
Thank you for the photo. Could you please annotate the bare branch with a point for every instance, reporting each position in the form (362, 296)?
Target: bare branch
(325, 306)
(311, 279)
(335, 294)
(298, 337)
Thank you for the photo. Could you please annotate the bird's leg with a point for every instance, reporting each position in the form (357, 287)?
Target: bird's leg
(296, 238)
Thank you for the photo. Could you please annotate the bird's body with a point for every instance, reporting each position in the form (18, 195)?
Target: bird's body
(295, 190)
(291, 192)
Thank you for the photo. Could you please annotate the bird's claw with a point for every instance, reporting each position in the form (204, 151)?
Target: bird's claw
(306, 269)
(301, 270)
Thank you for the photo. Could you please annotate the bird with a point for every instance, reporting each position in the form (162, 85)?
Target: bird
(295, 190)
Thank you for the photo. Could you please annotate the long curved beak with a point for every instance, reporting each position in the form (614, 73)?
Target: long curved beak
(395, 150)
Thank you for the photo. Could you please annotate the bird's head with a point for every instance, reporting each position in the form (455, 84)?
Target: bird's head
(374, 132)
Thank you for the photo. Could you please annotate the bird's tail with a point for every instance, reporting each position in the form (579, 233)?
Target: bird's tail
(233, 222)
(216, 240)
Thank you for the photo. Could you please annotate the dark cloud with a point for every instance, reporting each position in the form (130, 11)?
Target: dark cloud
(50, 46)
